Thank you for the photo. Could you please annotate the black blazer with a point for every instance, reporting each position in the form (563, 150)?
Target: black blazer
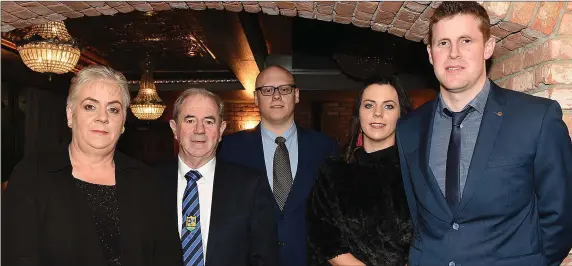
(242, 229)
(46, 220)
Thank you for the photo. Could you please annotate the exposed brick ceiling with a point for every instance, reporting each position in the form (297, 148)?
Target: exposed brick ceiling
(515, 24)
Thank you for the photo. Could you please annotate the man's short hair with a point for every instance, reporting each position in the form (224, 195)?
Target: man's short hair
(191, 92)
(449, 9)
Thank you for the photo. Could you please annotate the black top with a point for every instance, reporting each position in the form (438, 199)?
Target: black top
(102, 201)
(360, 208)
(47, 220)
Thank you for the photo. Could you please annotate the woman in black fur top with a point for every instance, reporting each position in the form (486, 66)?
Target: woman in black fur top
(358, 212)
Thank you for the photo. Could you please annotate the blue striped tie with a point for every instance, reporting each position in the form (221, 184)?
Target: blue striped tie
(192, 241)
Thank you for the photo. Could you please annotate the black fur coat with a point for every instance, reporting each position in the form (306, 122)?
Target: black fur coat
(360, 208)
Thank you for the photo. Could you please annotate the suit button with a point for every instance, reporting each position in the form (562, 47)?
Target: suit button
(282, 216)
(452, 263)
(455, 226)
(280, 243)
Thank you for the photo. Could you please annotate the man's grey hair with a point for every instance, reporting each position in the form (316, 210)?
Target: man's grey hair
(94, 73)
(202, 92)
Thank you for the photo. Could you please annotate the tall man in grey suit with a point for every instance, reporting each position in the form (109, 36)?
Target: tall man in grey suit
(487, 171)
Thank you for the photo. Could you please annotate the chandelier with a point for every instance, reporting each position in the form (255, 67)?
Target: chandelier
(147, 105)
(49, 48)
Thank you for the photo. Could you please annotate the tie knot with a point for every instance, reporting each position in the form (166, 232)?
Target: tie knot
(280, 140)
(193, 175)
(458, 117)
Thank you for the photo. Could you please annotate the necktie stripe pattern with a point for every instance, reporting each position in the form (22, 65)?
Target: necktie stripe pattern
(452, 172)
(282, 180)
(191, 237)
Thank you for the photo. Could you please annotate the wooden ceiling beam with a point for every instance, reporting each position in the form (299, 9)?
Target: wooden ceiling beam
(251, 26)
(226, 38)
(277, 32)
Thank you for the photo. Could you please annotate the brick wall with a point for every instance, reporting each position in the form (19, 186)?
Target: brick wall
(421, 96)
(240, 116)
(407, 19)
(335, 117)
(303, 114)
(542, 67)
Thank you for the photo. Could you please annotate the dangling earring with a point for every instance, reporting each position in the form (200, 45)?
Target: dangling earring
(360, 139)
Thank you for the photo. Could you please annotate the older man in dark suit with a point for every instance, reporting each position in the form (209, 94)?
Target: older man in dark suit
(224, 212)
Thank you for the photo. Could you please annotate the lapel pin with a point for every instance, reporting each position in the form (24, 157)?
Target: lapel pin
(499, 113)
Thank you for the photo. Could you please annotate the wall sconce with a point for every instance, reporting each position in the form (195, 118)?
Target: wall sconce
(248, 124)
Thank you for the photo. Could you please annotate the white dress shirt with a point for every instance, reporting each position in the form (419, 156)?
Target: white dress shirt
(205, 187)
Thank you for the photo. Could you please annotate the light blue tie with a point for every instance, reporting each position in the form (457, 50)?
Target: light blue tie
(191, 238)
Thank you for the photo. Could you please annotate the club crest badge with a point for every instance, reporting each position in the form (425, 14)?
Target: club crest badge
(191, 223)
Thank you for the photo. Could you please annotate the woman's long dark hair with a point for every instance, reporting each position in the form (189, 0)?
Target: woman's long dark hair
(355, 128)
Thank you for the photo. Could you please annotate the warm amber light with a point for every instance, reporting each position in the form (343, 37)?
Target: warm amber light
(46, 57)
(147, 105)
(249, 124)
(54, 53)
(147, 111)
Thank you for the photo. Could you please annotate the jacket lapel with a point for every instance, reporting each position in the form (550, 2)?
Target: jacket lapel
(168, 175)
(221, 192)
(257, 149)
(125, 199)
(426, 132)
(488, 131)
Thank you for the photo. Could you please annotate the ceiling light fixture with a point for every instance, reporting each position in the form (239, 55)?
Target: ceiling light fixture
(147, 105)
(48, 48)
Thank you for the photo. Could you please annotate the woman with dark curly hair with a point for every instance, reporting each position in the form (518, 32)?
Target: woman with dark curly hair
(358, 213)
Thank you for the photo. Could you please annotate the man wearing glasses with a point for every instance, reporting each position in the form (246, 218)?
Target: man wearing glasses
(288, 154)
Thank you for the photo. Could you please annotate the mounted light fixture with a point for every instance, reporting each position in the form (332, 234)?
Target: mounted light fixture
(48, 48)
(248, 124)
(147, 105)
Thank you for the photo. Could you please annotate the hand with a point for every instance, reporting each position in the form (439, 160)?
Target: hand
(346, 259)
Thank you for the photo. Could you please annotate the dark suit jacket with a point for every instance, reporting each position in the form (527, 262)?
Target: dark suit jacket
(245, 148)
(46, 220)
(242, 229)
(515, 208)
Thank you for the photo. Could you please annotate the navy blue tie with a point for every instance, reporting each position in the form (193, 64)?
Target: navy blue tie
(191, 238)
(452, 174)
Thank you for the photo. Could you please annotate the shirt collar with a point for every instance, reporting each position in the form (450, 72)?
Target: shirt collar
(271, 136)
(204, 170)
(478, 103)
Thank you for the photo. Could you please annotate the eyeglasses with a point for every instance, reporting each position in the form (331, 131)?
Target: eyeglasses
(282, 89)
